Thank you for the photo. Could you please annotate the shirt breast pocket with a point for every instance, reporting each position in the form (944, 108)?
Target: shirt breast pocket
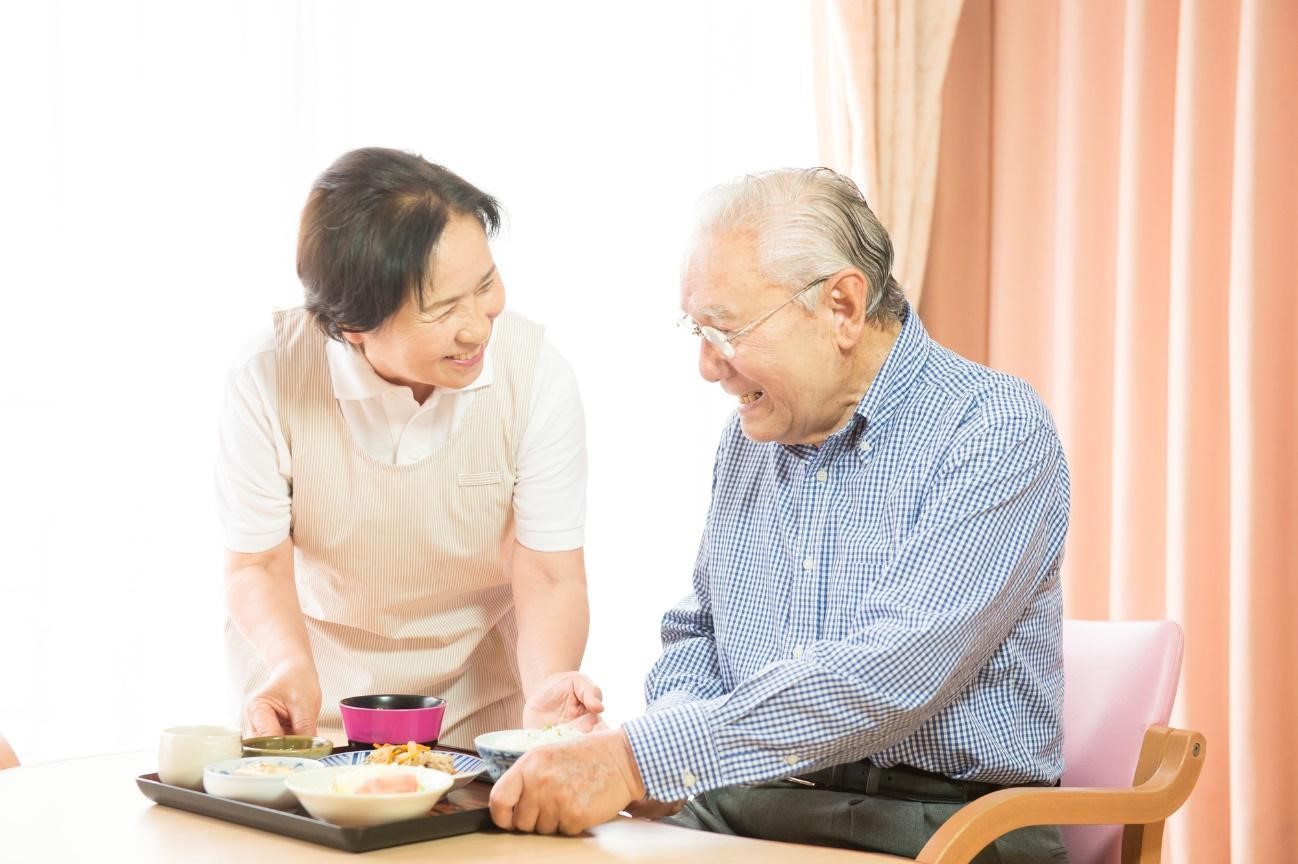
(858, 572)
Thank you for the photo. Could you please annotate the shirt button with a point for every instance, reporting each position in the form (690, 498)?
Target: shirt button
(822, 475)
(808, 564)
(797, 651)
(791, 759)
(688, 778)
(864, 446)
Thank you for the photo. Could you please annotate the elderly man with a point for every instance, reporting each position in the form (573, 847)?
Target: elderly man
(873, 636)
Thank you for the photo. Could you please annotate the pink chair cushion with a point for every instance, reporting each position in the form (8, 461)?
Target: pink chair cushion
(1120, 677)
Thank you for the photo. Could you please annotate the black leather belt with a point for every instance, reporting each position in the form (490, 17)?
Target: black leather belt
(898, 781)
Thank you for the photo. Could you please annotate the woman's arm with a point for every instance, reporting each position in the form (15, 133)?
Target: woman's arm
(553, 621)
(264, 606)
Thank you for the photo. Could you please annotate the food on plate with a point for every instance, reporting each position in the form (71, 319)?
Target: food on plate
(266, 769)
(375, 781)
(411, 753)
(388, 785)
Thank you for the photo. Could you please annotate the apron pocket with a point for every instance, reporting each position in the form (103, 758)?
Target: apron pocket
(481, 478)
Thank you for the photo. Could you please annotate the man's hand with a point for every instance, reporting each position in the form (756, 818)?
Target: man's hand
(287, 704)
(568, 698)
(568, 786)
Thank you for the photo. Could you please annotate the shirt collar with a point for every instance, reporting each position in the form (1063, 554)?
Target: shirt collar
(354, 378)
(904, 361)
(899, 371)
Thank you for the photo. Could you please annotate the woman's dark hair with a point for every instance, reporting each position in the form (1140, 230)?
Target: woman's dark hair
(369, 229)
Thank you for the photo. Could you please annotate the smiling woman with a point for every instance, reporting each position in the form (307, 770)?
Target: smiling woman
(403, 316)
(393, 253)
(441, 339)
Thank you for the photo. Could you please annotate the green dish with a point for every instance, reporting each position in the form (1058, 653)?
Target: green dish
(288, 745)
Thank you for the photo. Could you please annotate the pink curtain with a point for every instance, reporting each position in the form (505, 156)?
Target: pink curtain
(879, 73)
(1116, 220)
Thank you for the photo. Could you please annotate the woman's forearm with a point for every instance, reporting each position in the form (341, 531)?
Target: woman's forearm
(553, 613)
(263, 604)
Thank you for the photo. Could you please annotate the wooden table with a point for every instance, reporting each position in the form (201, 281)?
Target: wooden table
(91, 810)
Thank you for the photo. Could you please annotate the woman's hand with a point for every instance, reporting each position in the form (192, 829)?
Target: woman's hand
(568, 698)
(263, 603)
(287, 704)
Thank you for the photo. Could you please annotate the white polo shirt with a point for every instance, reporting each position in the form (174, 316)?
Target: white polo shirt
(254, 467)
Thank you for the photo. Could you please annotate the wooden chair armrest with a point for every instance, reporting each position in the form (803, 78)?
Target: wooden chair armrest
(1170, 761)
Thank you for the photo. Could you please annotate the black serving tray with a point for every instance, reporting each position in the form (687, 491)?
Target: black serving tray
(462, 811)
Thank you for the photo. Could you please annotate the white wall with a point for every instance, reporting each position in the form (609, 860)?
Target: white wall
(155, 157)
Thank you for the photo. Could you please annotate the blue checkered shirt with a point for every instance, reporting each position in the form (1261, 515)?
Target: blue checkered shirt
(892, 594)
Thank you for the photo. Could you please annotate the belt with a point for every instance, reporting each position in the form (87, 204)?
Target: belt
(897, 781)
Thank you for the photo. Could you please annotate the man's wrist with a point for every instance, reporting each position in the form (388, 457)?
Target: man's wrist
(676, 751)
(631, 770)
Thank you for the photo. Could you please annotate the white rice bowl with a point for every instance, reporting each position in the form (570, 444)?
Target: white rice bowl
(327, 794)
(501, 749)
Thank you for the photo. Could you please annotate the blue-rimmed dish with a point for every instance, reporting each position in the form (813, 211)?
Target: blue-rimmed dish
(467, 767)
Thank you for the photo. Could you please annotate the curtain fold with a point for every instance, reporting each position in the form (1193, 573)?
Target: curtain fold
(879, 88)
(1263, 383)
(1116, 220)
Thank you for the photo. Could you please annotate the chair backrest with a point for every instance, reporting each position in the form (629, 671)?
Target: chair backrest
(1120, 678)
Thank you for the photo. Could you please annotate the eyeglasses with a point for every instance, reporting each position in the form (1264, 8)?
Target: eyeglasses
(724, 344)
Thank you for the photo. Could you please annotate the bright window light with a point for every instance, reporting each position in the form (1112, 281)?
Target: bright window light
(157, 156)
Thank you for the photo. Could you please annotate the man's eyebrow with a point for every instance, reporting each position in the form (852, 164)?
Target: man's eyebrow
(446, 301)
(716, 312)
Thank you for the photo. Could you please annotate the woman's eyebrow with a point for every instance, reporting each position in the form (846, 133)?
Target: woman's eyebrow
(446, 301)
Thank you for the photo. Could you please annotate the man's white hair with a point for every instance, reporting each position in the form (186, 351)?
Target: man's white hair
(809, 224)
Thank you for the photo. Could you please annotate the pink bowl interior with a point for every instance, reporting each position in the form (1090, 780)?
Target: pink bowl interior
(392, 719)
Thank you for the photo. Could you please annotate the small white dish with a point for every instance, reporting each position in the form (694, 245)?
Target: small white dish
(237, 779)
(315, 790)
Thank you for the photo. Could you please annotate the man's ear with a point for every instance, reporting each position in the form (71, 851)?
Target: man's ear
(846, 294)
(356, 340)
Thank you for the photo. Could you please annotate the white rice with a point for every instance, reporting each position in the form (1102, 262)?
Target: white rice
(522, 740)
